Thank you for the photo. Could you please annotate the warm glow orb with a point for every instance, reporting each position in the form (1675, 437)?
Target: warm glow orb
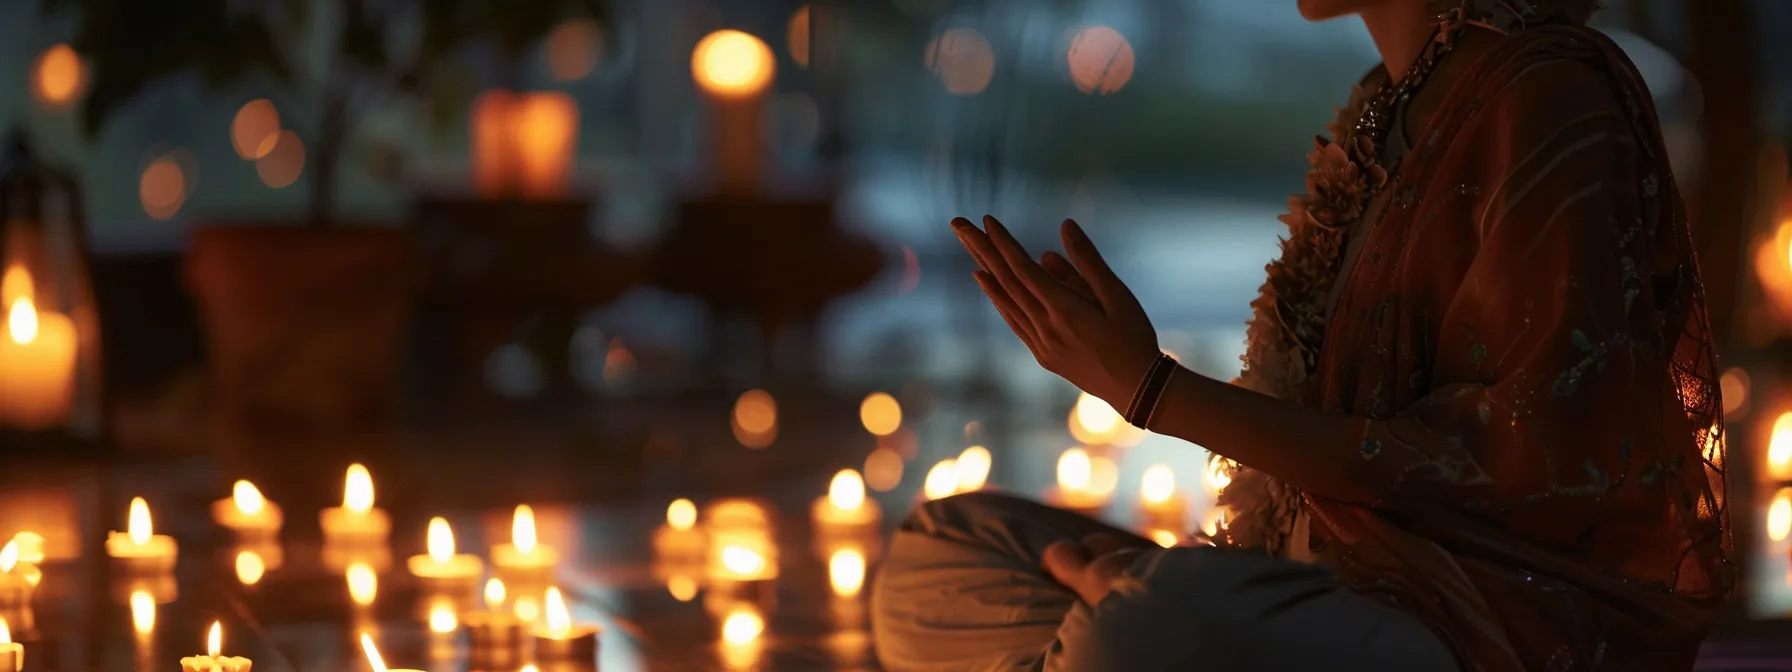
(256, 129)
(250, 567)
(733, 64)
(247, 498)
(363, 583)
(1164, 538)
(1779, 448)
(1734, 386)
(21, 321)
(1104, 476)
(846, 572)
(442, 619)
(1158, 484)
(797, 33)
(942, 480)
(138, 526)
(572, 50)
(9, 556)
(494, 594)
(57, 78)
(283, 162)
(847, 491)
(742, 560)
(1101, 60)
(963, 61)
(162, 188)
(357, 489)
(1779, 515)
(1074, 469)
(756, 412)
(883, 469)
(973, 468)
(681, 514)
(683, 588)
(881, 414)
(143, 612)
(439, 540)
(1219, 473)
(522, 529)
(742, 626)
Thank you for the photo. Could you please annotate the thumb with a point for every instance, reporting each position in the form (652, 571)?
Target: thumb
(1066, 561)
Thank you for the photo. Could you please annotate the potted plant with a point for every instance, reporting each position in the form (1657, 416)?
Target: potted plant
(304, 316)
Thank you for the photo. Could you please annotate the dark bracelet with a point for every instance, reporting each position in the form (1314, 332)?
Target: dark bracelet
(1150, 392)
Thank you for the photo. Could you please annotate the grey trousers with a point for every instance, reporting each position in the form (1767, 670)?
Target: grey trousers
(963, 589)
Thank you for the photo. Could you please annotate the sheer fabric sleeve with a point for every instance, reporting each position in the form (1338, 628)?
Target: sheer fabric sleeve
(1553, 392)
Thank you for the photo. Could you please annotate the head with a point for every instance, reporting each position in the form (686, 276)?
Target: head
(1323, 10)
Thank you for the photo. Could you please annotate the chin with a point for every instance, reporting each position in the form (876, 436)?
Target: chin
(1325, 10)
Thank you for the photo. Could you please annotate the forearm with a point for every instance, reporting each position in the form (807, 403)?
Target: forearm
(1314, 450)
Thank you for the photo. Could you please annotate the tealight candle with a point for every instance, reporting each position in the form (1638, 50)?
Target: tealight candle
(213, 660)
(247, 513)
(356, 522)
(1077, 489)
(558, 639)
(442, 565)
(679, 538)
(1160, 506)
(374, 660)
(12, 654)
(494, 630)
(742, 555)
(17, 579)
(139, 550)
(31, 547)
(523, 560)
(845, 510)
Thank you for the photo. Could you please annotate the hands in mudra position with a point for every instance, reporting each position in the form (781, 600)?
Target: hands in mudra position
(1077, 317)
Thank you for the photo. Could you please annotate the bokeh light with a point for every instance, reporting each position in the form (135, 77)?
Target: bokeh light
(1779, 515)
(881, 414)
(162, 188)
(256, 129)
(796, 32)
(883, 470)
(733, 64)
(573, 49)
(1101, 60)
(1734, 385)
(282, 165)
(58, 76)
(942, 480)
(755, 420)
(963, 61)
(1779, 448)
(973, 468)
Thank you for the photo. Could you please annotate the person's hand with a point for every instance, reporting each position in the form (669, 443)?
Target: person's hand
(1077, 317)
(1089, 567)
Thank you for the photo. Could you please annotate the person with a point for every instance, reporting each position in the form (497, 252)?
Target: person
(1477, 426)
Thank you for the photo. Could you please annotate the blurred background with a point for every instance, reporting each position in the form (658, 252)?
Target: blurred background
(596, 255)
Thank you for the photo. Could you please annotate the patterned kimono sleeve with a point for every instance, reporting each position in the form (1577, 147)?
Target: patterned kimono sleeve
(1553, 392)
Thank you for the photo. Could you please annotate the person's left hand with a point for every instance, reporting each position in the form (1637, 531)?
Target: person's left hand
(1077, 317)
(1089, 567)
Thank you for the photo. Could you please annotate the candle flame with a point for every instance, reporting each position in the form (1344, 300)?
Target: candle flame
(250, 567)
(494, 594)
(847, 491)
(442, 619)
(143, 612)
(214, 640)
(973, 468)
(681, 514)
(248, 499)
(1096, 417)
(1158, 485)
(21, 320)
(742, 626)
(1779, 515)
(941, 481)
(731, 63)
(137, 526)
(1074, 469)
(357, 489)
(1164, 538)
(1779, 447)
(846, 572)
(440, 540)
(9, 556)
(522, 530)
(363, 584)
(1219, 473)
(682, 587)
(559, 620)
(5, 631)
(742, 560)
(373, 653)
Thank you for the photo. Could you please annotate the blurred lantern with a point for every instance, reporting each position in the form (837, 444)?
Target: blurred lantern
(524, 144)
(49, 348)
(735, 69)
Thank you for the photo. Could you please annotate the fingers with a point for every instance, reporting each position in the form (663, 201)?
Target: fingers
(1028, 272)
(1011, 314)
(1067, 561)
(993, 262)
(1107, 287)
(1061, 269)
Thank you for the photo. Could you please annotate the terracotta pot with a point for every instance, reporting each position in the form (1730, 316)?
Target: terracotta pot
(303, 328)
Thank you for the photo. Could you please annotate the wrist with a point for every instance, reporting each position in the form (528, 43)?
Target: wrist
(1143, 403)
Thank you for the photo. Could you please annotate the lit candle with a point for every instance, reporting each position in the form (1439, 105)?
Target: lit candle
(17, 579)
(213, 660)
(493, 631)
(845, 510)
(973, 468)
(363, 584)
(524, 560)
(742, 555)
(356, 522)
(374, 661)
(558, 639)
(1080, 488)
(741, 629)
(31, 547)
(735, 69)
(442, 565)
(139, 550)
(679, 538)
(12, 654)
(1164, 538)
(37, 352)
(253, 562)
(1160, 506)
(846, 572)
(246, 512)
(941, 481)
(1779, 448)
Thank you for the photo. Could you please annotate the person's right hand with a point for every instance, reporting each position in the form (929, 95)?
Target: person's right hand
(1089, 567)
